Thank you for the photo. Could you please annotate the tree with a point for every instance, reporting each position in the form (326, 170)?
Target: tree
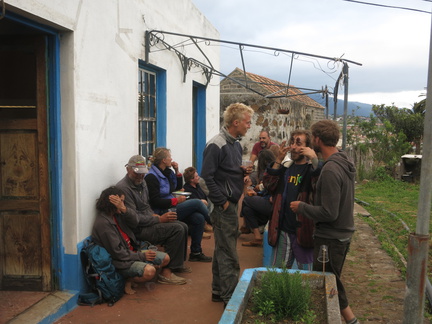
(378, 141)
(408, 121)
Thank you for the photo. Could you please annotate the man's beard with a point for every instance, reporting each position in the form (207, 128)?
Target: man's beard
(297, 157)
(263, 144)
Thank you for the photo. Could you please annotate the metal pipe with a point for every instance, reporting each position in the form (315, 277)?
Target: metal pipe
(345, 112)
(418, 244)
(256, 46)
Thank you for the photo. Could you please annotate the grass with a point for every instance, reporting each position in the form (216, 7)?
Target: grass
(282, 295)
(393, 206)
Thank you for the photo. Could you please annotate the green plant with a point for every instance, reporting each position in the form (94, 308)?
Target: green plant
(281, 295)
(308, 318)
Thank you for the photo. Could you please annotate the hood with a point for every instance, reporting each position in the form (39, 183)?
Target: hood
(345, 163)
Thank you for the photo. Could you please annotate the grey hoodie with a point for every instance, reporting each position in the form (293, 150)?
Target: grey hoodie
(334, 201)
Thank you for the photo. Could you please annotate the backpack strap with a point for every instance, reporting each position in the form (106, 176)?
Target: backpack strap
(90, 299)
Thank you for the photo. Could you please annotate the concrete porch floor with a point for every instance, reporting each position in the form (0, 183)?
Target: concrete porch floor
(190, 303)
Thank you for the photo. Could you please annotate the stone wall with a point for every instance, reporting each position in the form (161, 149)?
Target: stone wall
(279, 116)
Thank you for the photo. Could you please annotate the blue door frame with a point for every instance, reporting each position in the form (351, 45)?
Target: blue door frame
(59, 267)
(199, 127)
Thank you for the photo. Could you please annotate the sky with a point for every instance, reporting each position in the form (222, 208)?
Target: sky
(392, 45)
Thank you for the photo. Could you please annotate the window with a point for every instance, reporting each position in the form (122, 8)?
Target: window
(146, 112)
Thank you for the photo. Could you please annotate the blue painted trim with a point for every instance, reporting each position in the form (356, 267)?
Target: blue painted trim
(161, 99)
(65, 308)
(55, 162)
(30, 23)
(238, 301)
(54, 145)
(200, 112)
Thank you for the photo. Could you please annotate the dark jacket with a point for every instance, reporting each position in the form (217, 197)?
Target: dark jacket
(105, 233)
(196, 192)
(139, 212)
(274, 182)
(221, 169)
(334, 203)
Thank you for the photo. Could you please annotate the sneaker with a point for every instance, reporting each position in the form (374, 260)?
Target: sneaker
(216, 298)
(174, 280)
(182, 270)
(199, 257)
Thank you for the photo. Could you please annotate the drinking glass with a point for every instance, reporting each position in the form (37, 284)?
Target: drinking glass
(323, 255)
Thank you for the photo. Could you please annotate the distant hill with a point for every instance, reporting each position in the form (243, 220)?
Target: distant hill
(358, 108)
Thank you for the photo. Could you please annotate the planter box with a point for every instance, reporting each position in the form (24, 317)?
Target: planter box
(234, 310)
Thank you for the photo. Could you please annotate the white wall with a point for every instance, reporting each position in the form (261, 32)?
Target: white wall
(101, 44)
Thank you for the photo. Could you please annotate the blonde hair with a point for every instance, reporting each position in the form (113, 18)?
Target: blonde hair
(159, 154)
(236, 111)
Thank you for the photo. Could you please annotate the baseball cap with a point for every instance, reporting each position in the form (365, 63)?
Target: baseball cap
(138, 164)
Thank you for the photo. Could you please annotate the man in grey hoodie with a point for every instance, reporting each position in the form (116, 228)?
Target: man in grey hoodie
(333, 207)
(224, 177)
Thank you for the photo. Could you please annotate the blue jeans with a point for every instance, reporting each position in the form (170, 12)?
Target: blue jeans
(192, 213)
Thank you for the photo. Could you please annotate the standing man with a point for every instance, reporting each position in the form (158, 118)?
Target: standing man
(333, 208)
(223, 175)
(148, 226)
(263, 143)
(290, 234)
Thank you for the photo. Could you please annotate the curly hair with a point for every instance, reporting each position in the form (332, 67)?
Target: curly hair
(304, 132)
(189, 174)
(327, 131)
(103, 204)
(236, 111)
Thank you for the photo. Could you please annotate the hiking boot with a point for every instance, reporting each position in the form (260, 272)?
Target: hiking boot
(173, 280)
(199, 257)
(182, 270)
(216, 298)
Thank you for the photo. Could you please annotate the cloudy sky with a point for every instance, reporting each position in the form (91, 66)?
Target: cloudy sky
(391, 44)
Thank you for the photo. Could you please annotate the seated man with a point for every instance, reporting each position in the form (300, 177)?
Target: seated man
(110, 231)
(161, 182)
(147, 226)
(257, 209)
(192, 185)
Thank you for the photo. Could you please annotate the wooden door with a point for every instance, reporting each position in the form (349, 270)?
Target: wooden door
(25, 258)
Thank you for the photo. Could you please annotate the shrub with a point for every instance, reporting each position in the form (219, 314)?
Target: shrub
(281, 295)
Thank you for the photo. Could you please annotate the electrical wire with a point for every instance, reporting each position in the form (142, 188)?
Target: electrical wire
(387, 6)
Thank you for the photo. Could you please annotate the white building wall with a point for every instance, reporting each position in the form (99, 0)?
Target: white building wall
(101, 44)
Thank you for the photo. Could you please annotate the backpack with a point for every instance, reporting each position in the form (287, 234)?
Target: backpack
(106, 284)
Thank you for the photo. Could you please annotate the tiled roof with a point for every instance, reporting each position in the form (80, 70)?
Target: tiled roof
(276, 88)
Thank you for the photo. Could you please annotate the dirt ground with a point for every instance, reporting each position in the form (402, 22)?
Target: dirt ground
(375, 287)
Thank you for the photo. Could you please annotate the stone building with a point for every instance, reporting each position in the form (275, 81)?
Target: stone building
(274, 110)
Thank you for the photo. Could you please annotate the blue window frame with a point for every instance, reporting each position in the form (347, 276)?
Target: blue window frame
(151, 108)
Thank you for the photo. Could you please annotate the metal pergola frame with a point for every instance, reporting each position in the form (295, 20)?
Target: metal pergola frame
(156, 37)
